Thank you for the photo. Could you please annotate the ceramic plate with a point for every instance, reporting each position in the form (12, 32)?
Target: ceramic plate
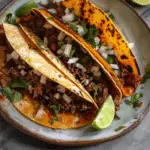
(135, 31)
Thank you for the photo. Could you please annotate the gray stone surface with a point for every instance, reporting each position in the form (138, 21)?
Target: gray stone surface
(138, 139)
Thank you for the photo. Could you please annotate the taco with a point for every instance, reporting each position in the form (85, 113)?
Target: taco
(96, 32)
(36, 88)
(71, 57)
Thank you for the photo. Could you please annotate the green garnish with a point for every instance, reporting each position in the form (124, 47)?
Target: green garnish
(10, 18)
(19, 83)
(84, 25)
(57, 118)
(60, 44)
(147, 74)
(119, 128)
(26, 8)
(110, 60)
(60, 56)
(134, 101)
(112, 16)
(73, 26)
(12, 94)
(72, 52)
(55, 109)
(17, 97)
(50, 18)
(96, 87)
(39, 42)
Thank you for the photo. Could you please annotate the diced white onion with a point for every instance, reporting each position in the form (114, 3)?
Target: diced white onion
(86, 82)
(15, 55)
(40, 112)
(117, 72)
(48, 26)
(8, 57)
(97, 74)
(23, 73)
(81, 67)
(68, 17)
(45, 41)
(46, 97)
(103, 49)
(111, 52)
(104, 55)
(60, 51)
(67, 50)
(61, 89)
(29, 87)
(57, 96)
(73, 60)
(80, 30)
(97, 48)
(66, 98)
(43, 79)
(61, 36)
(52, 10)
(97, 40)
(44, 2)
(37, 72)
(94, 68)
(67, 11)
(114, 66)
(131, 45)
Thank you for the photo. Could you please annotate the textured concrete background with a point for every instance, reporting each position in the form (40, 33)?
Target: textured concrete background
(139, 139)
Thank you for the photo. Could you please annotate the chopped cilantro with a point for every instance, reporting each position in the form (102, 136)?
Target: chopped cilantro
(147, 74)
(39, 42)
(119, 128)
(110, 60)
(10, 18)
(57, 118)
(19, 83)
(84, 25)
(60, 56)
(73, 26)
(72, 52)
(12, 94)
(50, 18)
(55, 109)
(60, 44)
(134, 101)
(96, 87)
(112, 16)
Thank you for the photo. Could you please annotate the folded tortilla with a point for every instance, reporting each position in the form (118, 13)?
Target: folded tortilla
(115, 91)
(30, 107)
(109, 35)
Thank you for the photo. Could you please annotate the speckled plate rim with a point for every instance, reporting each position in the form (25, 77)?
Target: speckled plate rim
(6, 116)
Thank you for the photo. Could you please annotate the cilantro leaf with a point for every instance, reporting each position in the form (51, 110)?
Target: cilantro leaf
(112, 16)
(96, 87)
(8, 92)
(57, 118)
(12, 94)
(119, 128)
(55, 109)
(73, 26)
(134, 101)
(19, 83)
(17, 97)
(147, 74)
(10, 18)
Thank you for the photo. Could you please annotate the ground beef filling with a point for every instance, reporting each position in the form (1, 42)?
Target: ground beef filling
(43, 93)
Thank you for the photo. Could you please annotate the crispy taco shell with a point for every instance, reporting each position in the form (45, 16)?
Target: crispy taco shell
(110, 35)
(115, 91)
(29, 107)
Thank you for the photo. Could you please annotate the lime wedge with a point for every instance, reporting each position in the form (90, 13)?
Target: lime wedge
(105, 115)
(141, 2)
(26, 8)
